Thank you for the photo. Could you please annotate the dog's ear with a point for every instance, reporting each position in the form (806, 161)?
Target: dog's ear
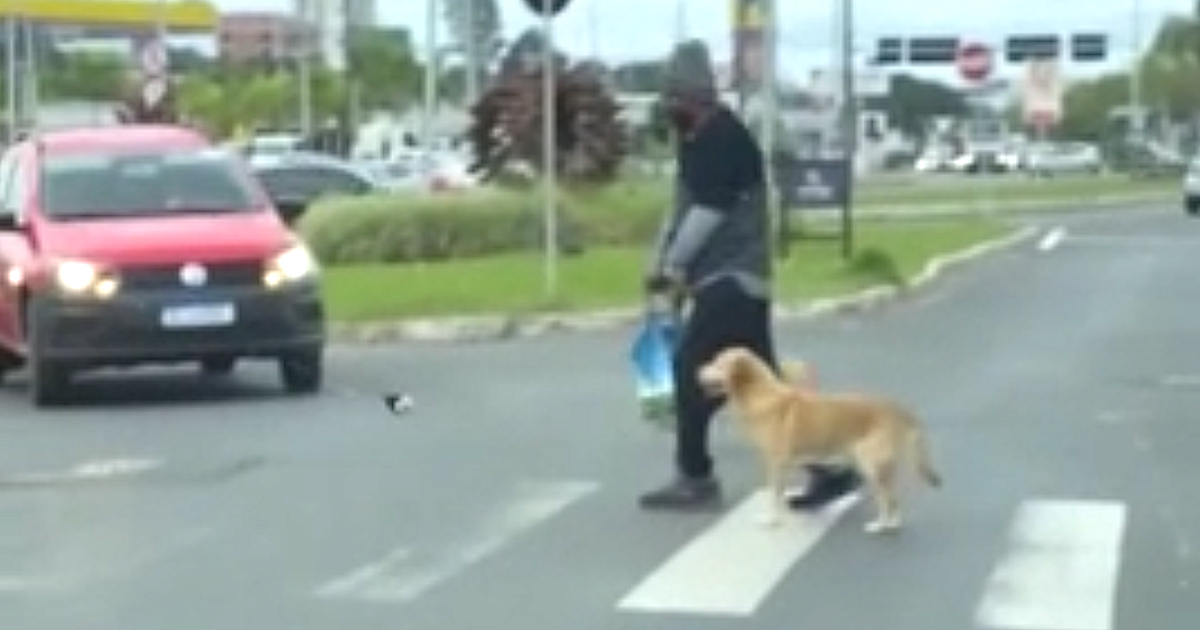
(739, 369)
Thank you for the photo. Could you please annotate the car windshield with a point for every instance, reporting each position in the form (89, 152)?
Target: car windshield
(132, 184)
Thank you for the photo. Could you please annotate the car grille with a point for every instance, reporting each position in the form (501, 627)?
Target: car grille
(223, 274)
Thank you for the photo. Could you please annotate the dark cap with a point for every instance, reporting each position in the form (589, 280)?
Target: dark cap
(689, 72)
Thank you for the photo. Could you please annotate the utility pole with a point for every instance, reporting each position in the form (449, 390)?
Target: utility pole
(1135, 73)
(10, 75)
(431, 71)
(472, 52)
(849, 124)
(549, 154)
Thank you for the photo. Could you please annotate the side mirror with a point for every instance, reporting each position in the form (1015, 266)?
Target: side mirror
(9, 222)
(290, 209)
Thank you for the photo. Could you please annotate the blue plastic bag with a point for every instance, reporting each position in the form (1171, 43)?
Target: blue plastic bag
(651, 355)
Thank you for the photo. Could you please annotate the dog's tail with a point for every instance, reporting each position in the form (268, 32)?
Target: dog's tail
(919, 451)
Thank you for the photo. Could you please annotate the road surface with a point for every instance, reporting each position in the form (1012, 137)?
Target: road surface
(1060, 381)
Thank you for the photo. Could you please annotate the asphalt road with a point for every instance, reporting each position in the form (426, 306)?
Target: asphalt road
(1060, 383)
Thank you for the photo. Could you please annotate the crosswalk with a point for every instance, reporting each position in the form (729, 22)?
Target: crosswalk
(1059, 571)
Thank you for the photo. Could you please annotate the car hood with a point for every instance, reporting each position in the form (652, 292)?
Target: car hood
(166, 239)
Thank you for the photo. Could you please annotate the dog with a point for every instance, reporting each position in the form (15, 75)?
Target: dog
(790, 423)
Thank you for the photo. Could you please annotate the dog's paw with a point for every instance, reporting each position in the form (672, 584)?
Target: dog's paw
(882, 526)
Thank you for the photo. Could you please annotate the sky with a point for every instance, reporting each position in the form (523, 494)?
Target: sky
(631, 29)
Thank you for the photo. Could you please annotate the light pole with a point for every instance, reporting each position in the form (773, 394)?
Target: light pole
(849, 124)
(10, 74)
(549, 154)
(1135, 72)
(431, 66)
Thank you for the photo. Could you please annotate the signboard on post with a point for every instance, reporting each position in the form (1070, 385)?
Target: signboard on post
(807, 184)
(1042, 94)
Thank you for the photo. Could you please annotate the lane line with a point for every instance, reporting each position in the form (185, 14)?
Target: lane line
(403, 574)
(1061, 568)
(731, 567)
(1052, 239)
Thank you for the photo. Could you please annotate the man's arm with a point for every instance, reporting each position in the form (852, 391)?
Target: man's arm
(712, 184)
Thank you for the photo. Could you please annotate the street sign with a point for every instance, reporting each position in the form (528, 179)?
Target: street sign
(153, 57)
(153, 91)
(974, 62)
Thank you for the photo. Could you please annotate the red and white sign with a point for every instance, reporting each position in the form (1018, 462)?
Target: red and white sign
(152, 58)
(1042, 94)
(975, 62)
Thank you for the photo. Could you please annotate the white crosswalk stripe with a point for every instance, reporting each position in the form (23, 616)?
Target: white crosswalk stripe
(402, 575)
(1060, 570)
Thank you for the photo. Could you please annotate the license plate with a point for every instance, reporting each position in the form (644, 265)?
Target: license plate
(198, 316)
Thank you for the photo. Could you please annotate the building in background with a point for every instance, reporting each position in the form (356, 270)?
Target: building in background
(260, 37)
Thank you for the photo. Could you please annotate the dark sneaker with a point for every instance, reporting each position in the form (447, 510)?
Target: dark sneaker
(825, 486)
(684, 494)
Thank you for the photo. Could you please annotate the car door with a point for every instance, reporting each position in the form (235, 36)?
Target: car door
(14, 247)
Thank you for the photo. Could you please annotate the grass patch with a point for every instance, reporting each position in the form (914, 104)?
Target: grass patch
(609, 277)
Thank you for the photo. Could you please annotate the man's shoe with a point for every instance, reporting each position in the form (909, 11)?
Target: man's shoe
(825, 486)
(684, 494)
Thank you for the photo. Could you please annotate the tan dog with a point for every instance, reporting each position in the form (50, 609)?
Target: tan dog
(791, 423)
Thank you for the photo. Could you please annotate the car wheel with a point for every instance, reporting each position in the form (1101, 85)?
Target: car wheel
(218, 366)
(49, 381)
(302, 372)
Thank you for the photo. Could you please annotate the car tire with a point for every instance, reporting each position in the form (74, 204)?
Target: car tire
(302, 372)
(49, 380)
(218, 366)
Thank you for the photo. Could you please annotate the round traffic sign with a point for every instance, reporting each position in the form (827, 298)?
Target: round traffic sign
(153, 57)
(975, 61)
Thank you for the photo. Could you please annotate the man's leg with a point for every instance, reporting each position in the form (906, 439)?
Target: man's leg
(709, 328)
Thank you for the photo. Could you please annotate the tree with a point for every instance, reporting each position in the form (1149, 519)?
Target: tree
(384, 67)
(85, 76)
(508, 120)
(911, 102)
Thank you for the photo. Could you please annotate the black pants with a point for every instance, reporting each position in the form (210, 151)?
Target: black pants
(722, 315)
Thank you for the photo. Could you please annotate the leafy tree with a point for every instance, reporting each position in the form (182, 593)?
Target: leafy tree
(384, 68)
(911, 102)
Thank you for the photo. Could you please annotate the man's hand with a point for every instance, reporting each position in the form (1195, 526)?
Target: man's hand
(665, 282)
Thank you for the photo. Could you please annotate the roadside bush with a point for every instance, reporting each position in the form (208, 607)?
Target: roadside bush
(396, 227)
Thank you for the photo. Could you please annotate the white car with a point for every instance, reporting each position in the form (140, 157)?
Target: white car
(1191, 187)
(1059, 159)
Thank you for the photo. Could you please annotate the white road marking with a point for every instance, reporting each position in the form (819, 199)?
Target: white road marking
(1052, 239)
(1061, 568)
(402, 575)
(96, 470)
(731, 567)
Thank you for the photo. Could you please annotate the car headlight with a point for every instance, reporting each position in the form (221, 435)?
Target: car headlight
(78, 277)
(294, 264)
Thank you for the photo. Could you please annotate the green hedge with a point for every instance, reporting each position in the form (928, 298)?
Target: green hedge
(422, 227)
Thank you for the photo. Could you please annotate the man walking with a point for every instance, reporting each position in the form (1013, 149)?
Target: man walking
(715, 247)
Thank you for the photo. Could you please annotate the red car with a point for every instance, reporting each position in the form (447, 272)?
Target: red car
(141, 244)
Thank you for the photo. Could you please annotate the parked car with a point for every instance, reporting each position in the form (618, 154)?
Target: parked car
(1191, 187)
(130, 245)
(1046, 160)
(296, 180)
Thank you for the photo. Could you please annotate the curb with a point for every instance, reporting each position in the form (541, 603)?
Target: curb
(466, 329)
(979, 206)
